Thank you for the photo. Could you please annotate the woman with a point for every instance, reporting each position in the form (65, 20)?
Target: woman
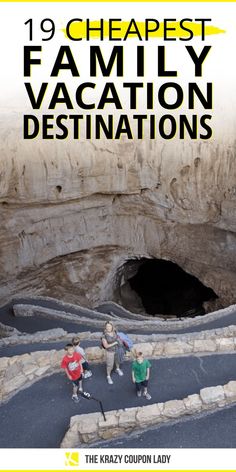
(110, 342)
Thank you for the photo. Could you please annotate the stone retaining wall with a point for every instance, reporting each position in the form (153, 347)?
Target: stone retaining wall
(49, 335)
(170, 324)
(87, 311)
(98, 319)
(19, 371)
(6, 331)
(34, 310)
(181, 322)
(58, 334)
(90, 428)
(39, 337)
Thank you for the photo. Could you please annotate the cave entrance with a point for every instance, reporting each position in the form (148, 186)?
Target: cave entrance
(161, 287)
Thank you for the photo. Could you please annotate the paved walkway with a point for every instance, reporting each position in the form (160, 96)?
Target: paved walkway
(18, 349)
(37, 323)
(39, 415)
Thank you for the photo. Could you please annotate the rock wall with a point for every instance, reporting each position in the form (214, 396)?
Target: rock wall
(20, 371)
(90, 428)
(143, 324)
(74, 212)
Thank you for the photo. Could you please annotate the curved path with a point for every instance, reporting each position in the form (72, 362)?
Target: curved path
(32, 324)
(39, 415)
(37, 323)
(18, 349)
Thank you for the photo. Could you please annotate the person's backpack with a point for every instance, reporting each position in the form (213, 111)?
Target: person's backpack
(127, 342)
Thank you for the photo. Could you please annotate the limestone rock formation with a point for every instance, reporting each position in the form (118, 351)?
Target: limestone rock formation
(73, 213)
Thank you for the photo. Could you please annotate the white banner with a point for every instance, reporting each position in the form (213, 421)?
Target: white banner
(118, 459)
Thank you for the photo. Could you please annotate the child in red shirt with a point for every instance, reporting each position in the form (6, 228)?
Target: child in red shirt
(71, 362)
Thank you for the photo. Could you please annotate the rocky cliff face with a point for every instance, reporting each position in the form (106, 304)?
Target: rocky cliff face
(73, 213)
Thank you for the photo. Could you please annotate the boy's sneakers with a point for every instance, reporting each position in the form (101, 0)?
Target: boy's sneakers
(75, 398)
(87, 374)
(147, 396)
(119, 372)
(109, 379)
(139, 393)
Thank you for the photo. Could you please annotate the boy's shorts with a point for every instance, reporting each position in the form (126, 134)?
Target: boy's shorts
(85, 365)
(138, 385)
(76, 382)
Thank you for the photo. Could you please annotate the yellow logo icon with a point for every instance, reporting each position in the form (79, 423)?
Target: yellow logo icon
(72, 459)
